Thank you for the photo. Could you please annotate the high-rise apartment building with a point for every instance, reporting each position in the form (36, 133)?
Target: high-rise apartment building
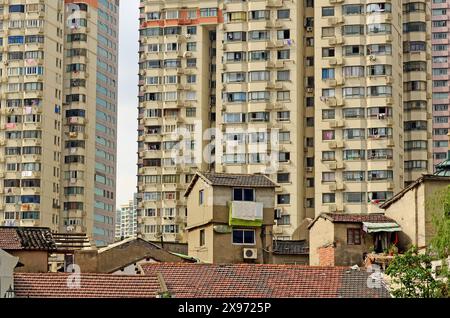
(51, 107)
(330, 98)
(126, 220)
(440, 47)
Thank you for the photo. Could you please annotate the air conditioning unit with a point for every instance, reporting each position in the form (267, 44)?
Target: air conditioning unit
(372, 58)
(250, 253)
(309, 29)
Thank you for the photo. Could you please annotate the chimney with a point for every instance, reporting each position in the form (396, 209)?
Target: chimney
(7, 265)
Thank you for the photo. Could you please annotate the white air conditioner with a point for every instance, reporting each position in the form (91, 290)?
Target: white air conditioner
(309, 29)
(250, 253)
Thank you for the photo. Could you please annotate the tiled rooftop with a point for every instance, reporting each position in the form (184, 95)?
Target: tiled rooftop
(263, 281)
(26, 238)
(53, 285)
(357, 218)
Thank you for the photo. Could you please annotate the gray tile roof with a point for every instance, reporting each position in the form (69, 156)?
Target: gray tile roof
(290, 247)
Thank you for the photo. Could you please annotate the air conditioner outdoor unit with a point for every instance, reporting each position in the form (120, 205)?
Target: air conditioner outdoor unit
(250, 253)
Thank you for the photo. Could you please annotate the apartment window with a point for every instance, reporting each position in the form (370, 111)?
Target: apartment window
(379, 7)
(354, 134)
(419, 46)
(351, 9)
(414, 27)
(256, 76)
(208, 12)
(244, 237)
(283, 76)
(328, 177)
(379, 90)
(354, 154)
(284, 156)
(259, 15)
(283, 199)
(377, 175)
(327, 11)
(283, 14)
(283, 34)
(416, 165)
(353, 236)
(379, 49)
(258, 55)
(328, 52)
(283, 96)
(328, 135)
(192, 30)
(353, 71)
(354, 176)
(240, 194)
(328, 114)
(379, 70)
(357, 29)
(327, 73)
(379, 28)
(191, 46)
(234, 56)
(354, 197)
(353, 112)
(328, 198)
(353, 50)
(327, 31)
(353, 92)
(202, 237)
(415, 86)
(283, 177)
(283, 116)
(258, 35)
(283, 54)
(328, 156)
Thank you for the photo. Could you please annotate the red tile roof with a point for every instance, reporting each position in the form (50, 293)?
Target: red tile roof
(9, 239)
(55, 285)
(263, 281)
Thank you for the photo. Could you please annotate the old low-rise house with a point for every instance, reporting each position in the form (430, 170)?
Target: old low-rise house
(413, 207)
(124, 257)
(345, 239)
(230, 218)
(31, 245)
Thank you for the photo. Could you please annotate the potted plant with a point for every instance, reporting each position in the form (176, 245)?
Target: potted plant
(393, 250)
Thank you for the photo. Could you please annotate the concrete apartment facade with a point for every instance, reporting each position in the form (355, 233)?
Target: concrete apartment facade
(342, 87)
(441, 100)
(126, 220)
(48, 115)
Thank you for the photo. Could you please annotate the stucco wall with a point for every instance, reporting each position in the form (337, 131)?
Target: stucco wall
(320, 234)
(33, 261)
(291, 259)
(348, 255)
(414, 214)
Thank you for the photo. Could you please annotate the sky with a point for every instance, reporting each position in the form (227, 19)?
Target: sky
(128, 91)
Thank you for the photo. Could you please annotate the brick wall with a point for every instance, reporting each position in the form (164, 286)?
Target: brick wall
(326, 256)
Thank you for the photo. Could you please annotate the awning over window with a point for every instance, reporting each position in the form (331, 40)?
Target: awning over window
(381, 227)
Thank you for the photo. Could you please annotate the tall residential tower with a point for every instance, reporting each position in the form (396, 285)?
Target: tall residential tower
(54, 87)
(330, 98)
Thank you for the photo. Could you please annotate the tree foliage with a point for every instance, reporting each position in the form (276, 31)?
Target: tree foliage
(412, 276)
(411, 273)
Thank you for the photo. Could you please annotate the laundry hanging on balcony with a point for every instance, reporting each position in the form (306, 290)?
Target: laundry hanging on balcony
(245, 213)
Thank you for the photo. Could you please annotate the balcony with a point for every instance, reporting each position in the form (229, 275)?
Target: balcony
(246, 213)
